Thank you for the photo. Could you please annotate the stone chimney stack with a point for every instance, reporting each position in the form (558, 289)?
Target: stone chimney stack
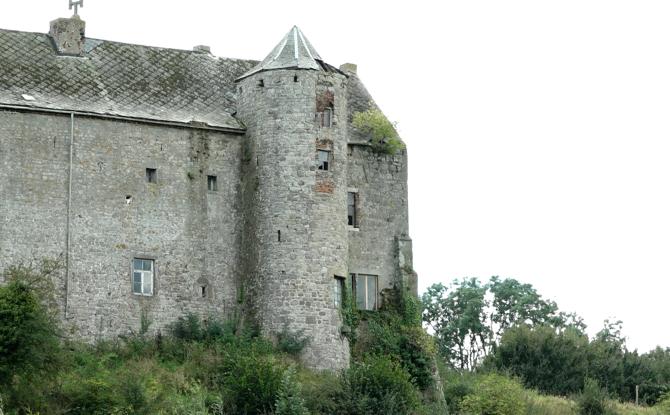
(68, 35)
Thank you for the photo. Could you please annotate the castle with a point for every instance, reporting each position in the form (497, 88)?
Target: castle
(174, 182)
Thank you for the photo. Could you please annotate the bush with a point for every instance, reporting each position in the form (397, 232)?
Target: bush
(375, 386)
(382, 132)
(495, 395)
(292, 342)
(29, 345)
(593, 399)
(289, 399)
(456, 387)
(249, 377)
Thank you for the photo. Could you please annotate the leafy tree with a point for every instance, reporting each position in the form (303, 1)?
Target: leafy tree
(495, 394)
(468, 318)
(458, 318)
(544, 358)
(29, 342)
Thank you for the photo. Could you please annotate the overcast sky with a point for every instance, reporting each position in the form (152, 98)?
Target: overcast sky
(537, 130)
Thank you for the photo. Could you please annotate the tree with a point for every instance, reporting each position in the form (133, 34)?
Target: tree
(458, 318)
(468, 318)
(548, 359)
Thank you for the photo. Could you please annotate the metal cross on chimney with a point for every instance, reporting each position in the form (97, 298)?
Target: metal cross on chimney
(76, 4)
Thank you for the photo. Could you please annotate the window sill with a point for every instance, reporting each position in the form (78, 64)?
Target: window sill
(354, 229)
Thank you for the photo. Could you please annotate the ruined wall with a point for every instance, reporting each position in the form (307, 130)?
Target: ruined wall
(381, 184)
(298, 231)
(116, 215)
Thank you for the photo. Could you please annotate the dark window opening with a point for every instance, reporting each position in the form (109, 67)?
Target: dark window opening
(151, 176)
(323, 159)
(261, 83)
(211, 183)
(278, 236)
(203, 291)
(295, 78)
(338, 291)
(352, 205)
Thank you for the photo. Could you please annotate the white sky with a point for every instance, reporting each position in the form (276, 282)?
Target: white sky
(537, 130)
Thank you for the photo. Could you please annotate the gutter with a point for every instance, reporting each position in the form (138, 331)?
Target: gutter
(194, 124)
(69, 208)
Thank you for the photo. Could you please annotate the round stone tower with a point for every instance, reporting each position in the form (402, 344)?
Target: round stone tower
(294, 107)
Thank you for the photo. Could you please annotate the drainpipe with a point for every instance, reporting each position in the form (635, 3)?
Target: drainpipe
(69, 206)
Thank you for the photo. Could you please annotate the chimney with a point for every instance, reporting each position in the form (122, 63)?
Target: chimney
(68, 35)
(348, 67)
(202, 49)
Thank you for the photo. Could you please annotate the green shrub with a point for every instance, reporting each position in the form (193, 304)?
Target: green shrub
(292, 342)
(382, 132)
(495, 395)
(593, 399)
(289, 398)
(249, 377)
(456, 387)
(377, 385)
(29, 345)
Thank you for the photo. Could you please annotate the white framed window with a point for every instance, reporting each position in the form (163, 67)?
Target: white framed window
(365, 291)
(323, 160)
(338, 291)
(143, 276)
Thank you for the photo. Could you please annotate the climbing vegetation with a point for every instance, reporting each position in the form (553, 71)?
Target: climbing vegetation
(382, 132)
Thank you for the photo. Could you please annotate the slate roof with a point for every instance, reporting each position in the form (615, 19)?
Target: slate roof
(122, 80)
(294, 51)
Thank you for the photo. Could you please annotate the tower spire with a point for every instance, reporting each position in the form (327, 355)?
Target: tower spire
(294, 51)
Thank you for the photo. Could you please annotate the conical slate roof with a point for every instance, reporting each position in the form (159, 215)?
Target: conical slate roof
(294, 51)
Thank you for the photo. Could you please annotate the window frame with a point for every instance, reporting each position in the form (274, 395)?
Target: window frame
(147, 277)
(323, 165)
(356, 277)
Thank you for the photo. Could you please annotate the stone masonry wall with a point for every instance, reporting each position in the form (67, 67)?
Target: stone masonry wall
(190, 232)
(381, 184)
(299, 213)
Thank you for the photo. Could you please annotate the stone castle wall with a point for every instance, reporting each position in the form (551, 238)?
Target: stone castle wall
(116, 215)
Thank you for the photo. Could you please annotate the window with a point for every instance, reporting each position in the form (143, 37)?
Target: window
(352, 205)
(324, 159)
(365, 291)
(338, 291)
(151, 176)
(211, 183)
(325, 118)
(143, 276)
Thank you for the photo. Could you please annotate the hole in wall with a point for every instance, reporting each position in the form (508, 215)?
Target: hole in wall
(203, 291)
(278, 236)
(295, 78)
(129, 199)
(261, 83)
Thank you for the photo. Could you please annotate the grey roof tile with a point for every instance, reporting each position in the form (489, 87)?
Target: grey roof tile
(120, 80)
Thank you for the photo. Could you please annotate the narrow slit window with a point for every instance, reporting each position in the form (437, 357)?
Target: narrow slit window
(261, 83)
(295, 78)
(327, 117)
(211, 183)
(278, 236)
(338, 291)
(152, 176)
(352, 206)
(324, 159)
(203, 291)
